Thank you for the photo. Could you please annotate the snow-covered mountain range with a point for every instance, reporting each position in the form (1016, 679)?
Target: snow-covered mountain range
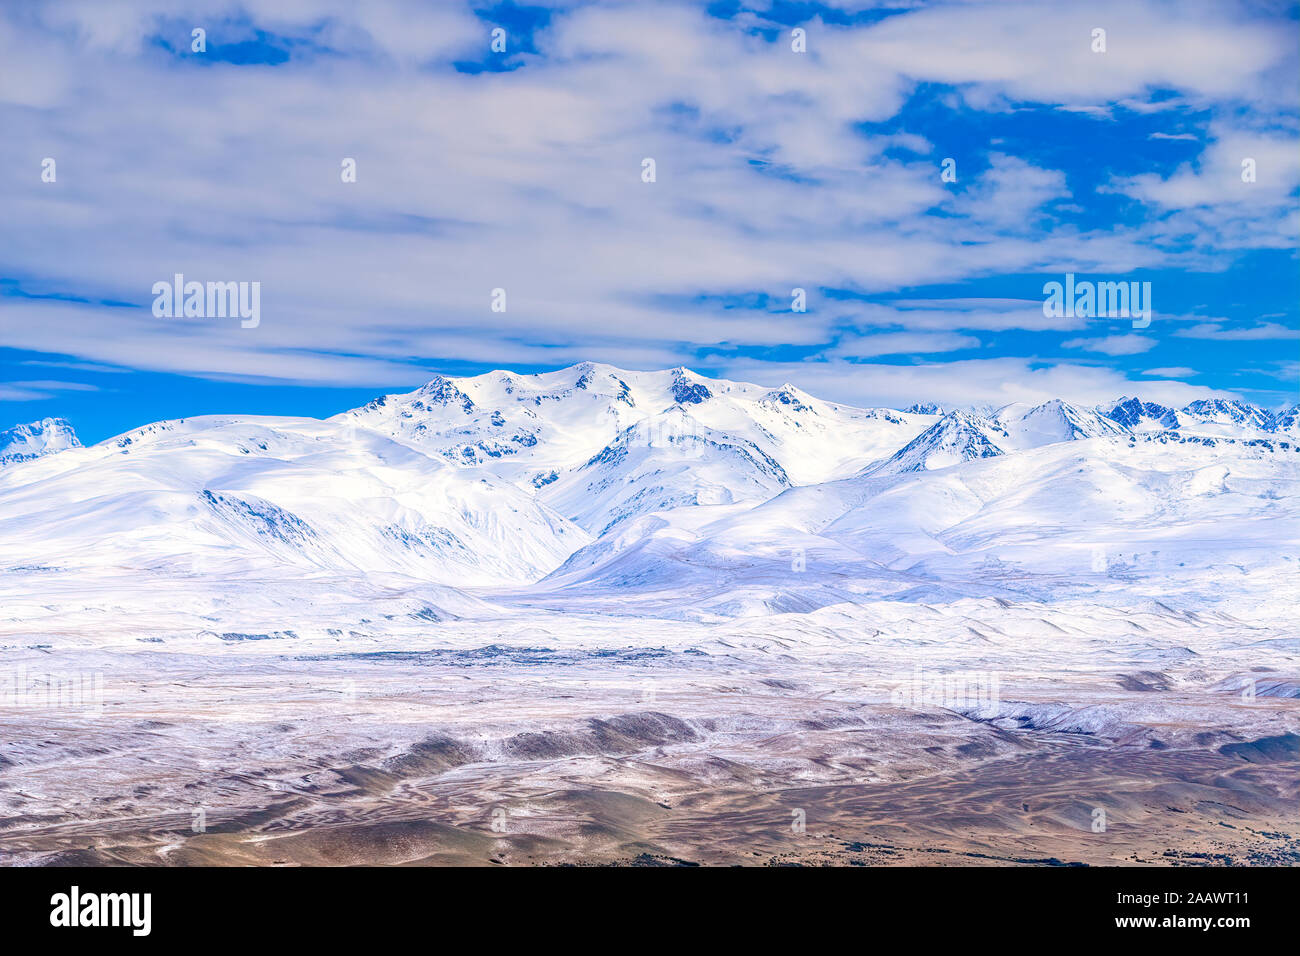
(592, 483)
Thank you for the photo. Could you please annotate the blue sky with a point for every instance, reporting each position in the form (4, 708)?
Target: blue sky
(480, 170)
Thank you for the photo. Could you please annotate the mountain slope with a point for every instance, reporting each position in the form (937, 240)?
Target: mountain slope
(210, 492)
(663, 462)
(1163, 513)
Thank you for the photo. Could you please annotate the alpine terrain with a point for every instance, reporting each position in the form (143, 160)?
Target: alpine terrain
(645, 617)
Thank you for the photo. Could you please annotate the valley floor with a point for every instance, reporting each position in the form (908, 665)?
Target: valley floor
(973, 733)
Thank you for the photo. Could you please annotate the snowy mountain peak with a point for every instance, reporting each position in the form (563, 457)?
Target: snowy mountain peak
(962, 418)
(924, 408)
(1208, 416)
(36, 439)
(1053, 421)
(957, 437)
(687, 391)
(791, 397)
(587, 372)
(1287, 421)
(442, 391)
(1135, 413)
(1221, 412)
(961, 436)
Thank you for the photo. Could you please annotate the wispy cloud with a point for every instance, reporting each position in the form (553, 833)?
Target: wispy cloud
(28, 391)
(1265, 331)
(1114, 344)
(901, 343)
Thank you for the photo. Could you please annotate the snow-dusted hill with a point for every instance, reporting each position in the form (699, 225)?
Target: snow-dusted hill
(1154, 516)
(214, 493)
(678, 491)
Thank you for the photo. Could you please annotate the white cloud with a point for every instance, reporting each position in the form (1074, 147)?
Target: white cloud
(28, 391)
(1240, 192)
(1214, 330)
(936, 315)
(1012, 194)
(901, 343)
(1042, 52)
(530, 179)
(1113, 344)
(994, 382)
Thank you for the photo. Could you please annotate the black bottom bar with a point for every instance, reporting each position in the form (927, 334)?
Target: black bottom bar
(525, 906)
